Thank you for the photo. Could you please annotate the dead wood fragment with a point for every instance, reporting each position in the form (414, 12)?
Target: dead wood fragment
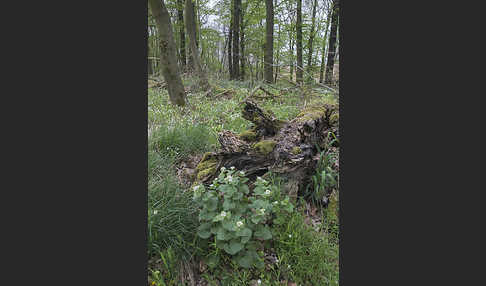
(288, 149)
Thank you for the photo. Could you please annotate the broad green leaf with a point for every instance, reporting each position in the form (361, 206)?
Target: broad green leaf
(228, 205)
(204, 234)
(213, 261)
(205, 215)
(245, 239)
(212, 204)
(229, 225)
(263, 232)
(205, 226)
(237, 196)
(245, 260)
(244, 232)
(256, 219)
(222, 234)
(233, 247)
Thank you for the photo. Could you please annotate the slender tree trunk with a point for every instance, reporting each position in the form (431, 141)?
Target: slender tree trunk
(311, 39)
(236, 39)
(268, 56)
(149, 63)
(191, 31)
(298, 71)
(277, 58)
(230, 43)
(323, 56)
(242, 43)
(332, 43)
(291, 59)
(182, 47)
(168, 59)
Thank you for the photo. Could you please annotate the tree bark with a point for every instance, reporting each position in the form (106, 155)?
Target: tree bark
(191, 31)
(298, 71)
(268, 52)
(182, 47)
(284, 148)
(168, 58)
(236, 39)
(332, 44)
(242, 42)
(323, 56)
(230, 43)
(311, 38)
(277, 58)
(291, 60)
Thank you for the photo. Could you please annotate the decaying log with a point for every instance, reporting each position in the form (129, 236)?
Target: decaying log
(288, 149)
(266, 123)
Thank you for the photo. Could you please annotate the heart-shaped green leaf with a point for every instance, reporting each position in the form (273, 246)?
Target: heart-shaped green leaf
(233, 247)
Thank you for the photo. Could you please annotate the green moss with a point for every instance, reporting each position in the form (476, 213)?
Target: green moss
(206, 156)
(311, 113)
(265, 146)
(248, 135)
(207, 166)
(205, 173)
(296, 150)
(334, 119)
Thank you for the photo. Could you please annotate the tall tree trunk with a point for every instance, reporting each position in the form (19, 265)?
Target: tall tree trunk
(323, 56)
(236, 39)
(168, 58)
(149, 63)
(182, 47)
(242, 43)
(298, 71)
(230, 43)
(311, 39)
(191, 31)
(332, 43)
(268, 56)
(277, 58)
(291, 60)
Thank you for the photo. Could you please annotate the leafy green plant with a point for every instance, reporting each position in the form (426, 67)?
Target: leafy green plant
(237, 220)
(169, 267)
(324, 180)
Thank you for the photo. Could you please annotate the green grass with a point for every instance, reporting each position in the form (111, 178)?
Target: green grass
(172, 216)
(175, 134)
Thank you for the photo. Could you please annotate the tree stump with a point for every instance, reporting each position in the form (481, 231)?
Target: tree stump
(288, 149)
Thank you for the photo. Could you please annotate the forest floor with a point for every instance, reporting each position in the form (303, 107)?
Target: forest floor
(303, 251)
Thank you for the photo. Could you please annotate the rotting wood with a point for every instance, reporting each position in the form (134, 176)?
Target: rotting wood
(288, 149)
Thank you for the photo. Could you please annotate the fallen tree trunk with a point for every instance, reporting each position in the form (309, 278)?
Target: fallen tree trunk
(288, 149)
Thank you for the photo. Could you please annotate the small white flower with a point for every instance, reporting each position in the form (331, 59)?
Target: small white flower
(223, 213)
(223, 169)
(232, 167)
(275, 202)
(196, 187)
(262, 211)
(288, 266)
(290, 236)
(155, 212)
(212, 185)
(259, 178)
(239, 224)
(242, 173)
(259, 281)
(267, 192)
(276, 260)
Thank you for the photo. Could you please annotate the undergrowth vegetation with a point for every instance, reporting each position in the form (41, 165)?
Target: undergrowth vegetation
(231, 235)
